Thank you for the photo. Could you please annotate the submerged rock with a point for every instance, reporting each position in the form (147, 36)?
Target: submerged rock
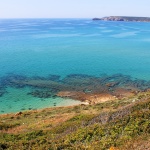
(8, 80)
(53, 77)
(122, 92)
(78, 86)
(87, 97)
(2, 91)
(42, 94)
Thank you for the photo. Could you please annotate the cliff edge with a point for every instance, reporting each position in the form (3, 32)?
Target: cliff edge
(124, 18)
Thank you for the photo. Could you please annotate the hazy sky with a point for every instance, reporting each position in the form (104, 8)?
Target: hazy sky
(73, 8)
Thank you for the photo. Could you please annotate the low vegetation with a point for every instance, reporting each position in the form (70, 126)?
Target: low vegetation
(115, 125)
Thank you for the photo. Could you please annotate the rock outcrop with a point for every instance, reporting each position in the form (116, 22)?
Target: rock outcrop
(124, 18)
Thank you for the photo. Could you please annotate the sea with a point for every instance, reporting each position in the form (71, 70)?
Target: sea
(43, 47)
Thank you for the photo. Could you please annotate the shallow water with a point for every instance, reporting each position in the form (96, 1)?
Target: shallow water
(39, 47)
(19, 100)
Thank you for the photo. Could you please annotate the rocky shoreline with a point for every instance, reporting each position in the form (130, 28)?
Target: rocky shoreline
(82, 87)
(124, 18)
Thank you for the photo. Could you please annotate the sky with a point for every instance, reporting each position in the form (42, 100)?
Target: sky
(73, 8)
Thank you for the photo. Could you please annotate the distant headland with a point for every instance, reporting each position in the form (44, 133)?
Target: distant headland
(124, 18)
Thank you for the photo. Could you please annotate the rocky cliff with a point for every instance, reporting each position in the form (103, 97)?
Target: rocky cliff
(124, 18)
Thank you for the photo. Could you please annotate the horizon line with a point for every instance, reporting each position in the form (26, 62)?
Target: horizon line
(69, 17)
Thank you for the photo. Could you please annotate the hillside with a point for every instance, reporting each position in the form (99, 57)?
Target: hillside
(116, 125)
(124, 18)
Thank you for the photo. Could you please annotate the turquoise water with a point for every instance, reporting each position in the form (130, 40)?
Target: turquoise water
(39, 47)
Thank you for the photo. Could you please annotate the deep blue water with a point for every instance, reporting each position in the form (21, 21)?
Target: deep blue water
(39, 47)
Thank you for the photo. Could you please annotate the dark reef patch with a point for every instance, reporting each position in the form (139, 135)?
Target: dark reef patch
(53, 77)
(9, 78)
(77, 86)
(2, 92)
(43, 93)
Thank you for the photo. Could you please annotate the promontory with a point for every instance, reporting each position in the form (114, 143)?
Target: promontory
(124, 18)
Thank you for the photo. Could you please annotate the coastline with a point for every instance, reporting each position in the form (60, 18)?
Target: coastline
(38, 92)
(18, 113)
(124, 18)
(46, 90)
(67, 123)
